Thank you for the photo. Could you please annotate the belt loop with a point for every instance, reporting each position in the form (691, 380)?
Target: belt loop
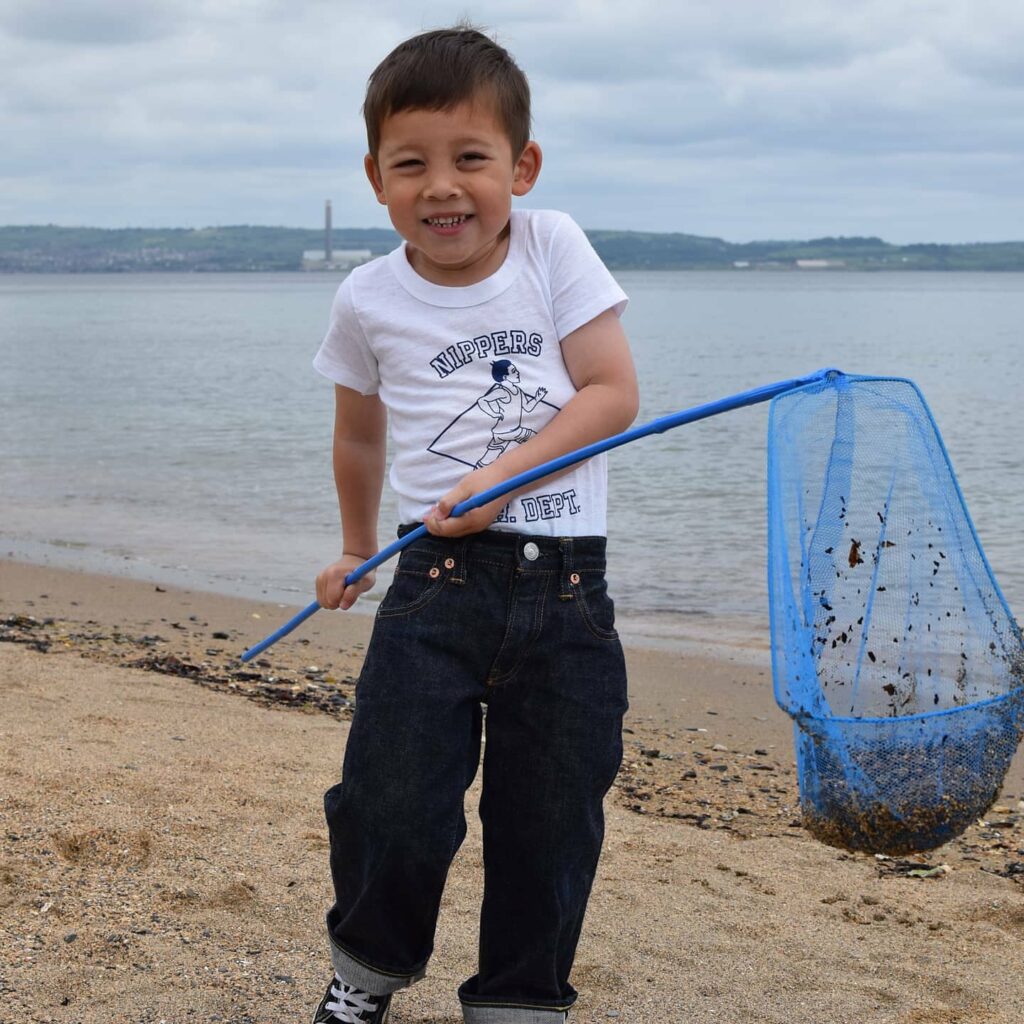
(460, 552)
(565, 547)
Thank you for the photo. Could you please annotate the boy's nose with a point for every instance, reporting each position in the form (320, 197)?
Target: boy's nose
(442, 186)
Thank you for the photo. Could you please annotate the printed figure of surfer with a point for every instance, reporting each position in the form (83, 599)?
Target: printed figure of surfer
(505, 402)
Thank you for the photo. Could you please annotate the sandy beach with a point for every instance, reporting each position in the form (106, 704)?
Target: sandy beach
(163, 856)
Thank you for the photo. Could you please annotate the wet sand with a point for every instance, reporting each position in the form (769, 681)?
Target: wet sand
(163, 855)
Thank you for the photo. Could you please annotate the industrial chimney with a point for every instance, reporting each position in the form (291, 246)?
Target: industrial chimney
(328, 254)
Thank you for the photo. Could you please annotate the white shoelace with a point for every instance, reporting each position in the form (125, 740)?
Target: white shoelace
(351, 1002)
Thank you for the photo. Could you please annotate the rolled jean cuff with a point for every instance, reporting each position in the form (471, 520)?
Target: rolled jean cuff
(362, 976)
(509, 1013)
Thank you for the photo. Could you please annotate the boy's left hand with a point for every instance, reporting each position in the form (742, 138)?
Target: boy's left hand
(439, 520)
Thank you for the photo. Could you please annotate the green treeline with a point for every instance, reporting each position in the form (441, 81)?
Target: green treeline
(47, 248)
(634, 249)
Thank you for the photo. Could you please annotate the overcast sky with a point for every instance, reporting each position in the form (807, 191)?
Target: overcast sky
(741, 119)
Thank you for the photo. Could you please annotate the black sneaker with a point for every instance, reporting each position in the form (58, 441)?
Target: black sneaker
(345, 1004)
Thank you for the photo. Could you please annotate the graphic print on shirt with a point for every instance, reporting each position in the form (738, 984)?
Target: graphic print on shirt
(500, 417)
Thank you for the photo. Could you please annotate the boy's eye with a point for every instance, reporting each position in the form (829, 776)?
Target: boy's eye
(402, 164)
(473, 156)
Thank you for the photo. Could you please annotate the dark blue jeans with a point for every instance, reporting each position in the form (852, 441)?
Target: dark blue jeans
(476, 630)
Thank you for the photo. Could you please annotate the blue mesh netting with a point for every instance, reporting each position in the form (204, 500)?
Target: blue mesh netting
(892, 645)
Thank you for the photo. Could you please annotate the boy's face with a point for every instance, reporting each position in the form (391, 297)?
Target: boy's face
(447, 178)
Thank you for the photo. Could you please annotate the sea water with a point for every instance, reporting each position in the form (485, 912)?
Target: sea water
(170, 426)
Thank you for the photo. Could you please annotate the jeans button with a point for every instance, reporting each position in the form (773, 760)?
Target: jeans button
(531, 551)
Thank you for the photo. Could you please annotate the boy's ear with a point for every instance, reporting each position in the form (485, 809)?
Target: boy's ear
(527, 169)
(373, 173)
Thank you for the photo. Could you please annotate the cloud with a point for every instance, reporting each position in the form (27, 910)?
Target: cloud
(247, 110)
(87, 22)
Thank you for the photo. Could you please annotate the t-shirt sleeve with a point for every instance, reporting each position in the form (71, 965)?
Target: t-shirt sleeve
(345, 356)
(582, 287)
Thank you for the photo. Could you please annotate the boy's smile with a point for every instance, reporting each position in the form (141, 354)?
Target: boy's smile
(447, 178)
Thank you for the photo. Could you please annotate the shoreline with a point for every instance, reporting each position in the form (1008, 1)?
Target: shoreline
(163, 843)
(189, 618)
(680, 631)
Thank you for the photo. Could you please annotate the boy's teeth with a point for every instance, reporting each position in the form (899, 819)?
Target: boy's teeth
(446, 222)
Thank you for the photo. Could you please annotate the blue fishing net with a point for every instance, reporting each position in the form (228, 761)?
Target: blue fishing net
(892, 646)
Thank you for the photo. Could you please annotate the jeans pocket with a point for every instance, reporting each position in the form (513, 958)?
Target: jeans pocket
(418, 580)
(595, 606)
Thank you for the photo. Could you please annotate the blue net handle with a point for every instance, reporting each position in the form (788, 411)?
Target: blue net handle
(658, 426)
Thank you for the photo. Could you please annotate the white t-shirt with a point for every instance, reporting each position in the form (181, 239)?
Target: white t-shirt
(466, 373)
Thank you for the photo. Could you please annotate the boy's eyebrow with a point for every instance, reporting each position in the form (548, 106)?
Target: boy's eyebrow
(463, 142)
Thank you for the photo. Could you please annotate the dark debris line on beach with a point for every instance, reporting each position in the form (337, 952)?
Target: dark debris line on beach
(678, 776)
(291, 686)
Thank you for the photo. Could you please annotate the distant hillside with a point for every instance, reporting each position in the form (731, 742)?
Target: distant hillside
(633, 249)
(51, 249)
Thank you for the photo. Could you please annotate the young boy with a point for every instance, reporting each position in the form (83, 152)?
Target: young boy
(505, 607)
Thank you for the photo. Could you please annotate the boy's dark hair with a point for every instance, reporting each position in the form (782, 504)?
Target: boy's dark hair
(439, 70)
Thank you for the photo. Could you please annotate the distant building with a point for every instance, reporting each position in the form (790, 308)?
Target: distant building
(340, 259)
(330, 258)
(819, 264)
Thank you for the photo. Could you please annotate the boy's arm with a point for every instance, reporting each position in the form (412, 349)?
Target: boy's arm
(606, 402)
(360, 434)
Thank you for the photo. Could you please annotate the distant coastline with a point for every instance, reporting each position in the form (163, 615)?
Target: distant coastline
(53, 249)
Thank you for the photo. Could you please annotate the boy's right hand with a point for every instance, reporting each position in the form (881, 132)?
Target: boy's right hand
(331, 591)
